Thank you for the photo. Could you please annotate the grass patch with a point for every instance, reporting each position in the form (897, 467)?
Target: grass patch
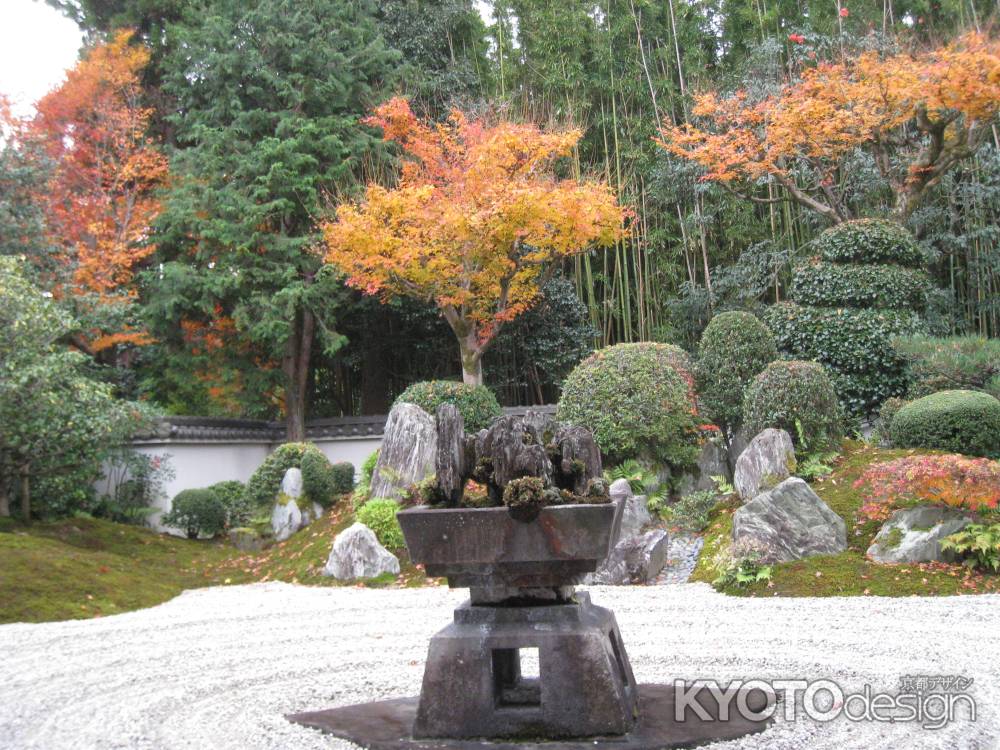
(849, 573)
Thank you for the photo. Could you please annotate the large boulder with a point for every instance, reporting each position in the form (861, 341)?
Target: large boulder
(357, 554)
(766, 462)
(636, 512)
(291, 483)
(789, 522)
(638, 559)
(914, 535)
(291, 510)
(407, 455)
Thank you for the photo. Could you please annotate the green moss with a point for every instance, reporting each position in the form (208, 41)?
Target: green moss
(894, 539)
(849, 573)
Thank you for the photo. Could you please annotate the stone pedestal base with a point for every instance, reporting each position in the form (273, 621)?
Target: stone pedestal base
(474, 684)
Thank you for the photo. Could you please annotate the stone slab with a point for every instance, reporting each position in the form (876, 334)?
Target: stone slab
(386, 725)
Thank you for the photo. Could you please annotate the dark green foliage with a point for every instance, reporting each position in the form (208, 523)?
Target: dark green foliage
(636, 401)
(343, 477)
(196, 512)
(957, 421)
(885, 416)
(797, 397)
(868, 241)
(853, 343)
(317, 479)
(823, 284)
(690, 514)
(525, 498)
(379, 515)
(949, 363)
(476, 403)
(735, 347)
(232, 494)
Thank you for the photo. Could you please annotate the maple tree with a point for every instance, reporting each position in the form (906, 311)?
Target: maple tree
(918, 114)
(99, 198)
(476, 225)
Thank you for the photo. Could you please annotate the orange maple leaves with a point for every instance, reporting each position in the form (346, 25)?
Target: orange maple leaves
(100, 200)
(476, 221)
(950, 94)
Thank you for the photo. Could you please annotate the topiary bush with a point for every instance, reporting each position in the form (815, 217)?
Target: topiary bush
(965, 422)
(233, 496)
(849, 304)
(735, 347)
(379, 515)
(797, 397)
(196, 512)
(870, 241)
(317, 475)
(343, 478)
(885, 416)
(476, 403)
(637, 401)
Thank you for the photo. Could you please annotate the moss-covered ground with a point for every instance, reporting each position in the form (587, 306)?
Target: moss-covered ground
(849, 573)
(82, 567)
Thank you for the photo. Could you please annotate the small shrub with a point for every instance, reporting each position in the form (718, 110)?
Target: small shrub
(524, 498)
(799, 398)
(636, 401)
(196, 512)
(978, 543)
(233, 496)
(956, 421)
(317, 482)
(476, 403)
(949, 480)
(735, 347)
(363, 488)
(950, 363)
(690, 513)
(379, 515)
(870, 241)
(740, 565)
(885, 417)
(343, 478)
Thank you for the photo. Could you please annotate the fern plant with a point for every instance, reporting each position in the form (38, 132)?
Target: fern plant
(978, 543)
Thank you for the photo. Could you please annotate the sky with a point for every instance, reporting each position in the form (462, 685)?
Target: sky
(37, 45)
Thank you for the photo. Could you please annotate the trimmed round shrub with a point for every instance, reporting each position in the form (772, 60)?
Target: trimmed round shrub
(734, 348)
(965, 422)
(379, 515)
(196, 512)
(233, 496)
(317, 479)
(891, 287)
(476, 403)
(885, 416)
(637, 401)
(797, 397)
(854, 343)
(870, 241)
(343, 478)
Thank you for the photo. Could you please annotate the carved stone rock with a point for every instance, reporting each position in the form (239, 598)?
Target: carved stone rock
(408, 451)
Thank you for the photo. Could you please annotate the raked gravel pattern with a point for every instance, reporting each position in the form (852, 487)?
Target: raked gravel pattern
(218, 668)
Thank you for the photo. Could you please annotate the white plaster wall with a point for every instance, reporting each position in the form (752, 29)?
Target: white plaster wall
(355, 450)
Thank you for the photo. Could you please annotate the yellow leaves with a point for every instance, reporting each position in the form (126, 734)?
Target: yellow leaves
(477, 217)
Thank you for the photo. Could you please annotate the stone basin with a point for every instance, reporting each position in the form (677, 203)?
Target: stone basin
(487, 548)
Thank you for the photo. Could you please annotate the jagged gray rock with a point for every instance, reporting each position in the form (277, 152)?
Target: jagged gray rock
(407, 455)
(514, 447)
(286, 518)
(636, 512)
(767, 461)
(357, 554)
(646, 555)
(914, 534)
(291, 483)
(451, 463)
(789, 522)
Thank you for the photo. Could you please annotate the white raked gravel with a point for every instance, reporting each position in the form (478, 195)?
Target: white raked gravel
(217, 668)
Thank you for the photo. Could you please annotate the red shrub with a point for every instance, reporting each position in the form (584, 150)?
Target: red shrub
(954, 480)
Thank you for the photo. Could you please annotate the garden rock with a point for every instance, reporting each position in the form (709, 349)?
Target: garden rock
(408, 451)
(914, 535)
(291, 483)
(768, 460)
(357, 554)
(636, 513)
(646, 555)
(248, 540)
(789, 522)
(311, 512)
(286, 519)
(613, 571)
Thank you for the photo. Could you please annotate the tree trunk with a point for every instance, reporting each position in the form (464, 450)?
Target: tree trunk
(470, 348)
(4, 499)
(25, 493)
(295, 365)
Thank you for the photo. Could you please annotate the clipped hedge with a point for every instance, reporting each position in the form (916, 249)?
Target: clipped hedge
(854, 343)
(196, 512)
(637, 399)
(965, 422)
(734, 348)
(476, 403)
(379, 515)
(343, 477)
(891, 287)
(318, 484)
(797, 397)
(870, 241)
(233, 496)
